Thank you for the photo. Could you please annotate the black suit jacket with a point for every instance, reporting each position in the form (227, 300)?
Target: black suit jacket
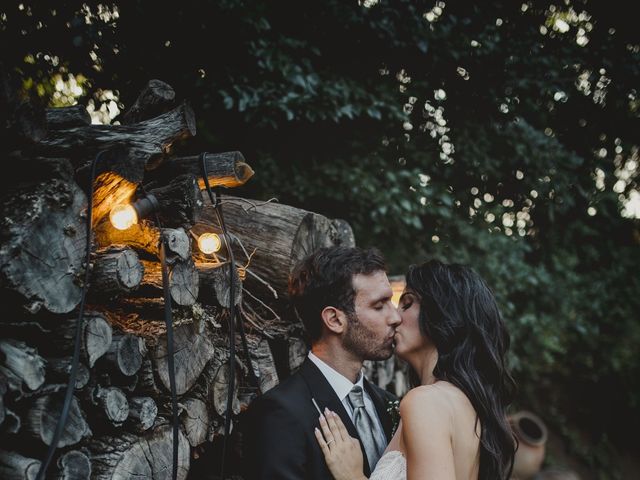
(278, 428)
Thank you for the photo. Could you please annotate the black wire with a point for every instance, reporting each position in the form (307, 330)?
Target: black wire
(232, 315)
(77, 341)
(168, 319)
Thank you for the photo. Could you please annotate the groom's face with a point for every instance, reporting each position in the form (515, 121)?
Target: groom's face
(370, 329)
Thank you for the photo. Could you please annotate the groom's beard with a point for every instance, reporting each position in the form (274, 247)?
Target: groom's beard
(364, 342)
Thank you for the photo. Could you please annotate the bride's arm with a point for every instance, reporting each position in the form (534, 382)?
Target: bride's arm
(426, 435)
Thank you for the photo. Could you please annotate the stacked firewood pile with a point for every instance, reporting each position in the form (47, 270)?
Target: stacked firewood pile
(119, 424)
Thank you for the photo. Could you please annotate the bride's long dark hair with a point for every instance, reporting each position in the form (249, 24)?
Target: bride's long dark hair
(459, 314)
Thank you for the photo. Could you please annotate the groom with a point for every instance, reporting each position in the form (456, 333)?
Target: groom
(343, 297)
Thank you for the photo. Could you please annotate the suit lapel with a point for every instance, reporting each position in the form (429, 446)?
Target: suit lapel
(379, 403)
(324, 394)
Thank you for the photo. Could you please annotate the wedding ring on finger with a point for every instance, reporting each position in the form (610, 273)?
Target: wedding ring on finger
(330, 441)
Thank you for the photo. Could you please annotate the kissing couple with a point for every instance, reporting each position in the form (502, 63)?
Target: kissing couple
(327, 421)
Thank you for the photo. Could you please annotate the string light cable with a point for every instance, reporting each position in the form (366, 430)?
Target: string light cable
(62, 420)
(215, 201)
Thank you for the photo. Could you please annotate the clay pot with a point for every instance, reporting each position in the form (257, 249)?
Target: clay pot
(532, 437)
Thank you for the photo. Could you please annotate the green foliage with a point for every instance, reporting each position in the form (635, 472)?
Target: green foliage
(477, 137)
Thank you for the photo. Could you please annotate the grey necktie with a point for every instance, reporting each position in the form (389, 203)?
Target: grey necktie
(366, 426)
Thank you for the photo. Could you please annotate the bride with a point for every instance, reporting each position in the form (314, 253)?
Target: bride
(453, 425)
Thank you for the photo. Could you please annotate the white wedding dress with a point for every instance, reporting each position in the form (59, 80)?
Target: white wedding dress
(391, 466)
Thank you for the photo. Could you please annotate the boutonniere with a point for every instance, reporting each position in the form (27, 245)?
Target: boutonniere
(393, 409)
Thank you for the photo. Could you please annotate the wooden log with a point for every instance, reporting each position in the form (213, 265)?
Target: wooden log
(147, 384)
(215, 285)
(43, 246)
(343, 233)
(196, 419)
(144, 237)
(12, 422)
(24, 362)
(41, 420)
(74, 465)
(280, 234)
(180, 202)
(95, 337)
(128, 147)
(143, 140)
(14, 466)
(298, 352)
(116, 270)
(125, 354)
(4, 386)
(142, 412)
(381, 372)
(156, 98)
(58, 370)
(192, 350)
(262, 362)
(112, 404)
(227, 169)
(184, 281)
(220, 391)
(67, 117)
(130, 456)
(12, 381)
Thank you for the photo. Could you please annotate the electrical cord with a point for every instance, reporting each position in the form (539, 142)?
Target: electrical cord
(215, 201)
(78, 336)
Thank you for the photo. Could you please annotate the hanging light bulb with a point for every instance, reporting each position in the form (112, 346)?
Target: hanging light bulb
(209, 243)
(124, 216)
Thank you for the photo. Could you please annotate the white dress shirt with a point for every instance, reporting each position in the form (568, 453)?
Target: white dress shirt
(342, 386)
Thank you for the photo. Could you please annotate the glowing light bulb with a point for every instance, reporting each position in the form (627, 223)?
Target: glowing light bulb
(209, 243)
(123, 216)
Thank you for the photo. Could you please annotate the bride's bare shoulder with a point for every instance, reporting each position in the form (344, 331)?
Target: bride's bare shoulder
(440, 398)
(434, 400)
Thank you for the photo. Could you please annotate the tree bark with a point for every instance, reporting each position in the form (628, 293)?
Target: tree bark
(281, 236)
(184, 282)
(128, 149)
(262, 362)
(40, 422)
(14, 466)
(129, 456)
(192, 350)
(144, 237)
(95, 337)
(125, 354)
(220, 391)
(196, 419)
(215, 286)
(143, 140)
(24, 362)
(58, 370)
(43, 250)
(180, 202)
(12, 422)
(116, 270)
(112, 405)
(67, 117)
(74, 465)
(228, 169)
(142, 412)
(298, 351)
(156, 98)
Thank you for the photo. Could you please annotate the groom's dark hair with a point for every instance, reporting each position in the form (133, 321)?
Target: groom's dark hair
(325, 278)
